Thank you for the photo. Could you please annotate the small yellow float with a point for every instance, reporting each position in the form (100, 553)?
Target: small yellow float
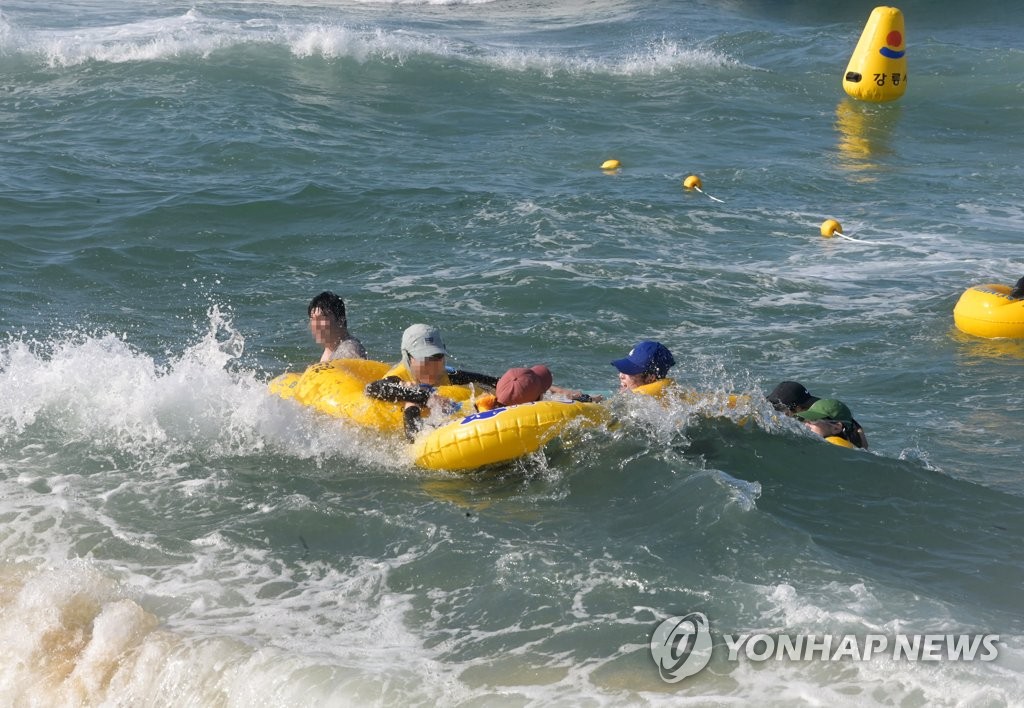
(338, 388)
(501, 434)
(989, 311)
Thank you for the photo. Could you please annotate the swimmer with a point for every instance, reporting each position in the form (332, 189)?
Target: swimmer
(828, 417)
(414, 380)
(521, 385)
(329, 325)
(517, 386)
(1018, 290)
(646, 363)
(793, 399)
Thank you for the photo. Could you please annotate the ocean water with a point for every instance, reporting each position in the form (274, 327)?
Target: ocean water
(178, 179)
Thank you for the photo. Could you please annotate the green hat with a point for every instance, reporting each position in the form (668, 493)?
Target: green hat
(827, 409)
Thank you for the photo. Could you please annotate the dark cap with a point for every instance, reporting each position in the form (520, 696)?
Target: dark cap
(791, 395)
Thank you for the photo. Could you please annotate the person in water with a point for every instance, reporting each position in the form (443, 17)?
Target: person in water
(647, 362)
(521, 385)
(829, 417)
(414, 380)
(793, 399)
(517, 386)
(329, 325)
(1018, 290)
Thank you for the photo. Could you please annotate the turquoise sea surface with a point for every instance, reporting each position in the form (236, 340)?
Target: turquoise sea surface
(177, 180)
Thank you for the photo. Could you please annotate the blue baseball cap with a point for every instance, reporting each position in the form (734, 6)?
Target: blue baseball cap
(646, 358)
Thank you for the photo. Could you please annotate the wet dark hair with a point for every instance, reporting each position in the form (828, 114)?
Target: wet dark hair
(329, 302)
(852, 432)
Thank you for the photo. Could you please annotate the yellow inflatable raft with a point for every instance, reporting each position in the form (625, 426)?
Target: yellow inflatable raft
(501, 434)
(988, 311)
(337, 388)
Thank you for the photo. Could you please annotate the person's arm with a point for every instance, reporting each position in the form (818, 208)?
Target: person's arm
(574, 395)
(411, 422)
(460, 378)
(393, 390)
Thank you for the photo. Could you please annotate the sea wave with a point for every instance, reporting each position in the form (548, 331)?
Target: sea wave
(98, 390)
(196, 35)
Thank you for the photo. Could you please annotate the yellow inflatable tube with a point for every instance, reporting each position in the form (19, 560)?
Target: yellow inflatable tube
(501, 434)
(988, 311)
(657, 389)
(662, 388)
(841, 442)
(337, 388)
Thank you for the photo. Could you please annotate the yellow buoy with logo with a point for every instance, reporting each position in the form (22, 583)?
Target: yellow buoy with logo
(878, 67)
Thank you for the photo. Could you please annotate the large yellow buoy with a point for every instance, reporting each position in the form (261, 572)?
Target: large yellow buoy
(878, 67)
(611, 164)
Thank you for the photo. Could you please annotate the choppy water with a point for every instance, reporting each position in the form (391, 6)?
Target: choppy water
(178, 180)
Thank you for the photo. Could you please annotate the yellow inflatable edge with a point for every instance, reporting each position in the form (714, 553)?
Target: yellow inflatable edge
(663, 388)
(840, 442)
(501, 434)
(337, 388)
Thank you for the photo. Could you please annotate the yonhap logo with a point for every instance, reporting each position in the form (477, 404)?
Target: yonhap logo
(681, 646)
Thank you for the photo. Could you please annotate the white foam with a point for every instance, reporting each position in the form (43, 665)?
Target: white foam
(836, 609)
(71, 636)
(332, 42)
(426, 2)
(198, 35)
(100, 391)
(655, 58)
